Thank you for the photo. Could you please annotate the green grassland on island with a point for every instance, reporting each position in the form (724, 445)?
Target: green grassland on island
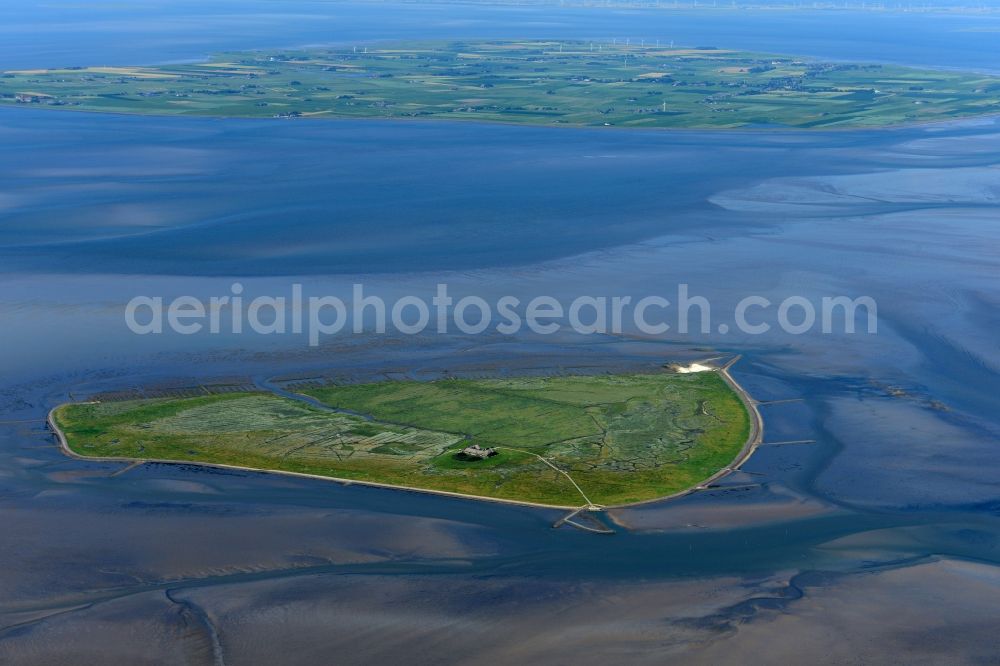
(620, 438)
(529, 82)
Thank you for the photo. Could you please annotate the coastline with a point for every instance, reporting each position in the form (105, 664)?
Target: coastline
(754, 439)
(745, 129)
(749, 446)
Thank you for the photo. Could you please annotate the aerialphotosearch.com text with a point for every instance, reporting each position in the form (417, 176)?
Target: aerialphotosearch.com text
(320, 316)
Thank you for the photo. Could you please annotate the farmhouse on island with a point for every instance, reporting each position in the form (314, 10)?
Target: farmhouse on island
(475, 451)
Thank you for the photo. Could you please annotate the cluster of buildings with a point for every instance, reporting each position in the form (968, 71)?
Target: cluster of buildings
(32, 98)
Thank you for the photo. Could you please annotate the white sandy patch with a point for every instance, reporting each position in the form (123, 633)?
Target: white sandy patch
(694, 367)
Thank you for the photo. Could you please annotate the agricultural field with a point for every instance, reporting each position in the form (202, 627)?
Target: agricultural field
(565, 441)
(529, 82)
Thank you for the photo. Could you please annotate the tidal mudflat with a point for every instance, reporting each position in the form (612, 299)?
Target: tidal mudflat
(895, 470)
(865, 527)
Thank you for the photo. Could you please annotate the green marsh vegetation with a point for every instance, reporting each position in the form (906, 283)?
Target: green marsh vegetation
(621, 438)
(527, 82)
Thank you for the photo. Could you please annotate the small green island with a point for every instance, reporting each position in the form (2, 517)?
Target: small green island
(573, 83)
(561, 441)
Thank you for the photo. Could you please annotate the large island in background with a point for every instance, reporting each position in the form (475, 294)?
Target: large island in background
(621, 83)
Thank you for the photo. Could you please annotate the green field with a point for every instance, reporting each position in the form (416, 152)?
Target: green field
(531, 82)
(620, 438)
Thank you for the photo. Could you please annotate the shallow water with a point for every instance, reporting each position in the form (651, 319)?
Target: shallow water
(893, 503)
(99, 193)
